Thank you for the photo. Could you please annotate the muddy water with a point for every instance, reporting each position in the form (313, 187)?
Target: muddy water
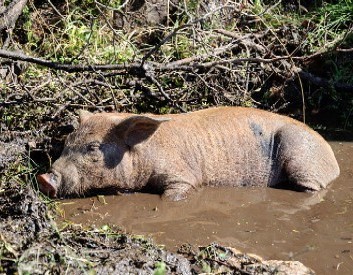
(316, 229)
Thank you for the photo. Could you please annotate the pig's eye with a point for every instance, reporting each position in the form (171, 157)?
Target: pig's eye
(92, 147)
(94, 151)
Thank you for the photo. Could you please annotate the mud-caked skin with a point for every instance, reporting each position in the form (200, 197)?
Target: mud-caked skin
(175, 154)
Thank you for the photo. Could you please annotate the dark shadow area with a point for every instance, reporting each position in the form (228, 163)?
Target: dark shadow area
(336, 135)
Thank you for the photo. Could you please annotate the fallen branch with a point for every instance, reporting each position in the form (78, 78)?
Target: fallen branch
(17, 56)
(10, 14)
(187, 65)
(136, 68)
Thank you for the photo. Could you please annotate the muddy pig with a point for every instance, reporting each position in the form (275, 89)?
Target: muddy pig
(175, 154)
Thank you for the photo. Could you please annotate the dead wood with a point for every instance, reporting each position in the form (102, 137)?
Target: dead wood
(10, 14)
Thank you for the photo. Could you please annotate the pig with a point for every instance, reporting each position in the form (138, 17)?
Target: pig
(175, 154)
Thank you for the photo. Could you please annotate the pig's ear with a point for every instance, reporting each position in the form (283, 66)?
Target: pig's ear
(137, 129)
(83, 115)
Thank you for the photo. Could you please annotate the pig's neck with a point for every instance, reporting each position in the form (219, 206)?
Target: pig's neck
(133, 172)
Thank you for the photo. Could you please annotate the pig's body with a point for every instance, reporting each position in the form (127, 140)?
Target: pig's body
(174, 154)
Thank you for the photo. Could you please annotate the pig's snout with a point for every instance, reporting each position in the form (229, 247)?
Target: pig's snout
(47, 184)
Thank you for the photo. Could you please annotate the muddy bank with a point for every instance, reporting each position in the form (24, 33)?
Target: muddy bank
(315, 229)
(31, 243)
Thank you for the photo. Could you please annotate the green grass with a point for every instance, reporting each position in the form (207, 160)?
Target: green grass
(160, 268)
(331, 23)
(79, 34)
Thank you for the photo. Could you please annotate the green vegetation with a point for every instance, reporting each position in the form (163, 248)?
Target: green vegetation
(160, 269)
(84, 32)
(79, 33)
(330, 25)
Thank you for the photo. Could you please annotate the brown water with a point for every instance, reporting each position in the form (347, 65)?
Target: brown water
(316, 229)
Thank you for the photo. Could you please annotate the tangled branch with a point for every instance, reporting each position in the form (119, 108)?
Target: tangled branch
(212, 55)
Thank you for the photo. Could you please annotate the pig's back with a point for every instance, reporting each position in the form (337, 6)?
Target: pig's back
(226, 146)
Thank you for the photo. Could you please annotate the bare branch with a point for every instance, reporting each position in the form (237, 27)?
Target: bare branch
(9, 16)
(135, 68)
(68, 67)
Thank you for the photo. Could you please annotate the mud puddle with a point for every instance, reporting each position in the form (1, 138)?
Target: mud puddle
(316, 229)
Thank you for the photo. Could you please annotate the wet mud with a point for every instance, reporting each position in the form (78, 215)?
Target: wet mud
(315, 229)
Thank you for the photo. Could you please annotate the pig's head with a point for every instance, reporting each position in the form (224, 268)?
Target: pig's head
(97, 155)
